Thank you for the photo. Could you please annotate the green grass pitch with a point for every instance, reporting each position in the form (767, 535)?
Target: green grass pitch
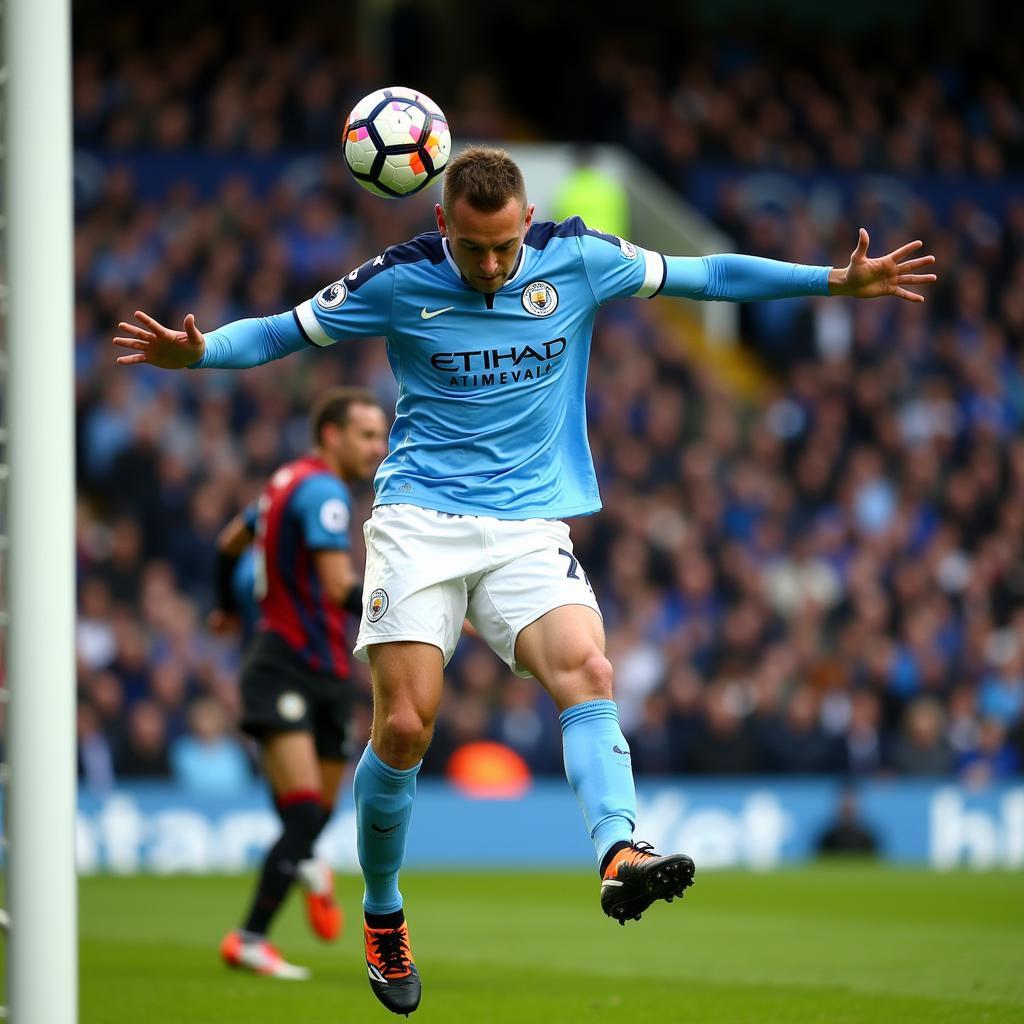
(839, 944)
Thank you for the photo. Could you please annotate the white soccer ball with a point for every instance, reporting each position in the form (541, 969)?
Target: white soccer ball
(397, 142)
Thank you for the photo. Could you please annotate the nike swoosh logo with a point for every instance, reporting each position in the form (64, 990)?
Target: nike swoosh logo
(426, 314)
(383, 831)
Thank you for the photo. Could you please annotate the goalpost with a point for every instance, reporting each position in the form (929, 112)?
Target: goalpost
(42, 945)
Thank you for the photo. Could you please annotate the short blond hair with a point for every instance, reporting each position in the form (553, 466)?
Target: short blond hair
(486, 177)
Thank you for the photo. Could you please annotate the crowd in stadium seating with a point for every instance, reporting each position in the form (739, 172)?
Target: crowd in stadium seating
(826, 575)
(944, 98)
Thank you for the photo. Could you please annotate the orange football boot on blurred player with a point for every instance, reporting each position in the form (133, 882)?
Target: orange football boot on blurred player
(259, 956)
(322, 911)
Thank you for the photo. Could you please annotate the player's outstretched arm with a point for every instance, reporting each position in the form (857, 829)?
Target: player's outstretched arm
(160, 346)
(235, 346)
(870, 278)
(737, 278)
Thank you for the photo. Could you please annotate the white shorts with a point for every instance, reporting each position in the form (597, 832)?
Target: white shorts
(427, 571)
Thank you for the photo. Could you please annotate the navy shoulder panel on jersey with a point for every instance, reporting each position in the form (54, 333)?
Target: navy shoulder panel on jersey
(541, 233)
(423, 248)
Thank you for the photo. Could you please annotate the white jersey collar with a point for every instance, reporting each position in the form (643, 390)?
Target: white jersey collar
(451, 261)
(518, 268)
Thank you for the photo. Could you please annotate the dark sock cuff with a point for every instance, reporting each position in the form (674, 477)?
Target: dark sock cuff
(610, 855)
(393, 920)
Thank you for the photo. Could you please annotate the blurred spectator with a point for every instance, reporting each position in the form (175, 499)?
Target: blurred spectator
(95, 759)
(526, 722)
(209, 759)
(650, 741)
(461, 720)
(120, 570)
(95, 642)
(142, 750)
(993, 758)
(1001, 693)
(921, 748)
(865, 754)
(724, 745)
(795, 742)
(170, 689)
(848, 833)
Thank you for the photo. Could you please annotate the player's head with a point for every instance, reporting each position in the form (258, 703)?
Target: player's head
(484, 215)
(350, 431)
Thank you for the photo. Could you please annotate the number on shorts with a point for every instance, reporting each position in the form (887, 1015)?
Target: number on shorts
(574, 564)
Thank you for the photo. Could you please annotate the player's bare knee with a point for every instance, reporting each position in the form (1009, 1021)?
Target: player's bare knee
(406, 733)
(596, 677)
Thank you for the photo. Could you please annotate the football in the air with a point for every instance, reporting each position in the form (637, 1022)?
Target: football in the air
(396, 141)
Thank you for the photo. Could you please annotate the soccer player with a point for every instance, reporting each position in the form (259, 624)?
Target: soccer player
(488, 323)
(295, 691)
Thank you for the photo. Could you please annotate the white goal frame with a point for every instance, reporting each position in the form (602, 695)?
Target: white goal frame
(38, 287)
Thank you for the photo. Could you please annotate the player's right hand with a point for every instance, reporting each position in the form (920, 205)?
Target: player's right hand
(160, 346)
(220, 621)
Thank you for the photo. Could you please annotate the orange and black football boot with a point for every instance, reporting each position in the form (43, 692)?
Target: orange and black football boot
(393, 975)
(636, 876)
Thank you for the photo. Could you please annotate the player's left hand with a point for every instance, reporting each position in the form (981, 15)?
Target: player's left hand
(868, 278)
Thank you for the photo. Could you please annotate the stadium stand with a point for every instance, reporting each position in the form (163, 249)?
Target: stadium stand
(824, 577)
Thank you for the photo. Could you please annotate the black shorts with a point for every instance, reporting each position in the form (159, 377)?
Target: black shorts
(281, 693)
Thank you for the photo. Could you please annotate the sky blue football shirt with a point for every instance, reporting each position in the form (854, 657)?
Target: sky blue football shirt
(490, 418)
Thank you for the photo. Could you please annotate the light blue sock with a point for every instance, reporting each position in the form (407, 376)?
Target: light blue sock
(383, 799)
(598, 767)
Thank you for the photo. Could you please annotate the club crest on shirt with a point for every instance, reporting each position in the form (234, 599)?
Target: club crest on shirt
(332, 296)
(377, 605)
(540, 298)
(291, 706)
(628, 249)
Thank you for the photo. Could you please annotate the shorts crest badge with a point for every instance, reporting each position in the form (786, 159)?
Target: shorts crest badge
(291, 706)
(377, 605)
(540, 298)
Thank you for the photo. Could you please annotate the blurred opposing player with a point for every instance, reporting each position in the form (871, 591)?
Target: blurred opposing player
(489, 323)
(295, 691)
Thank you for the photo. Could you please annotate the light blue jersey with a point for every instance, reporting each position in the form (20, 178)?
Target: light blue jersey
(490, 414)
(490, 418)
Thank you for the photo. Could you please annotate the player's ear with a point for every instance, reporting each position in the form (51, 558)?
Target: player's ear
(529, 217)
(329, 434)
(441, 226)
